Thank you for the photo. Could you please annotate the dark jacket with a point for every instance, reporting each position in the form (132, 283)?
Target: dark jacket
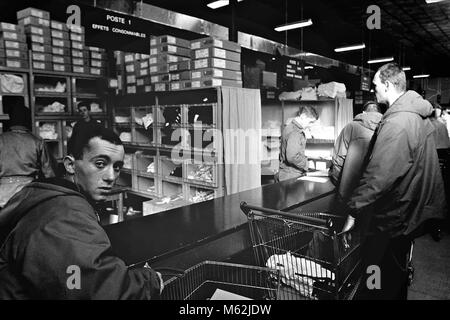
(355, 137)
(24, 154)
(293, 162)
(402, 180)
(51, 227)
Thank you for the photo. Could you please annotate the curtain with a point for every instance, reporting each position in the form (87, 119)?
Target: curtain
(241, 138)
(344, 114)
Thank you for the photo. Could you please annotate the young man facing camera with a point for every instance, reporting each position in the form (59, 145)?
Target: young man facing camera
(50, 230)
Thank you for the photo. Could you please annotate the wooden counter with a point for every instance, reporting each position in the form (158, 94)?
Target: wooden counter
(210, 230)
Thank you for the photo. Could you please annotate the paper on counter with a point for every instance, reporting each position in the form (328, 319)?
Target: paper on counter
(313, 179)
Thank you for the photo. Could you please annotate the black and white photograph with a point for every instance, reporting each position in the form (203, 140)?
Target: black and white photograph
(237, 154)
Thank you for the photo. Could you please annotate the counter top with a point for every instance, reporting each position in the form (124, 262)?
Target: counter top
(180, 229)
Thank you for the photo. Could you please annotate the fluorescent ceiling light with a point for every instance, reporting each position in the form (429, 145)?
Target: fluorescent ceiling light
(349, 48)
(378, 60)
(421, 76)
(433, 1)
(309, 67)
(294, 25)
(219, 3)
(406, 68)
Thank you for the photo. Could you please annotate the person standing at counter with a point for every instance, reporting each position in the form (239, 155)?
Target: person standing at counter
(401, 186)
(293, 161)
(23, 156)
(53, 246)
(351, 148)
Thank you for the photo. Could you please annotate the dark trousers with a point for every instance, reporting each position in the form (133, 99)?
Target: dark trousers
(391, 256)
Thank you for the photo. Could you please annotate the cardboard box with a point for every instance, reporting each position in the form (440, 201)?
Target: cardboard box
(36, 39)
(165, 58)
(56, 25)
(143, 64)
(215, 63)
(97, 55)
(75, 29)
(78, 61)
(161, 86)
(216, 73)
(159, 68)
(13, 63)
(79, 53)
(40, 56)
(180, 66)
(77, 45)
(130, 68)
(212, 42)
(143, 89)
(180, 85)
(76, 37)
(79, 69)
(35, 21)
(169, 48)
(32, 12)
(212, 82)
(143, 72)
(40, 48)
(98, 63)
(61, 67)
(61, 51)
(213, 52)
(130, 79)
(179, 76)
(16, 45)
(57, 59)
(165, 77)
(131, 89)
(166, 39)
(97, 71)
(16, 54)
(58, 34)
(4, 26)
(143, 81)
(97, 49)
(13, 36)
(37, 30)
(40, 65)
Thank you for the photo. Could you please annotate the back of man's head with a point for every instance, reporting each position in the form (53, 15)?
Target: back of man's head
(19, 115)
(371, 106)
(80, 141)
(393, 73)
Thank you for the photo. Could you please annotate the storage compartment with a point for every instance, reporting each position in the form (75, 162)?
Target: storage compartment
(201, 173)
(51, 105)
(197, 194)
(122, 116)
(124, 134)
(171, 137)
(146, 185)
(144, 136)
(143, 117)
(50, 85)
(171, 189)
(88, 86)
(146, 162)
(203, 115)
(200, 139)
(169, 168)
(95, 104)
(169, 116)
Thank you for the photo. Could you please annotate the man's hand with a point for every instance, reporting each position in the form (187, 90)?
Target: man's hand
(346, 236)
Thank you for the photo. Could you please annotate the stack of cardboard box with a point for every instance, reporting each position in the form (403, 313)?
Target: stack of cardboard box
(97, 61)
(13, 47)
(169, 63)
(215, 63)
(136, 75)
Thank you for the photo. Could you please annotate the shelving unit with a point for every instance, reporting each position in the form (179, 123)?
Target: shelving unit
(168, 152)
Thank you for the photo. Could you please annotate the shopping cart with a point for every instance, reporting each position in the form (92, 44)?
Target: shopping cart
(314, 260)
(299, 257)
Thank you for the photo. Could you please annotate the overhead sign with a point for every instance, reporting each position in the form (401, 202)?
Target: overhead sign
(365, 83)
(112, 30)
(292, 68)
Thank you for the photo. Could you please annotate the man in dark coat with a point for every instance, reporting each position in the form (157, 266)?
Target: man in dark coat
(53, 246)
(401, 186)
(351, 148)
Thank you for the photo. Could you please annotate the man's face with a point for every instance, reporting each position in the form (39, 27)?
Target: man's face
(84, 112)
(380, 89)
(99, 168)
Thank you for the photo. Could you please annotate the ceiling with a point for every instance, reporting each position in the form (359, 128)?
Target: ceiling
(413, 32)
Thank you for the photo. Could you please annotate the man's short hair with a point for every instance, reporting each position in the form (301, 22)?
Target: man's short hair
(395, 74)
(19, 115)
(310, 112)
(79, 141)
(84, 104)
(371, 106)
